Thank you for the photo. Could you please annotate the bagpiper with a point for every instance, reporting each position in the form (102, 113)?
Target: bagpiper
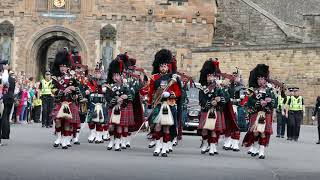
(212, 101)
(67, 93)
(83, 104)
(164, 91)
(135, 79)
(97, 114)
(78, 71)
(119, 97)
(236, 91)
(260, 107)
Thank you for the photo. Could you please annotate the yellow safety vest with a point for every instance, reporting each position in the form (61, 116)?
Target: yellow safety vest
(296, 104)
(280, 102)
(46, 88)
(37, 102)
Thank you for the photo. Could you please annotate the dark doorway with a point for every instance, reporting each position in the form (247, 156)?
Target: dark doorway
(48, 50)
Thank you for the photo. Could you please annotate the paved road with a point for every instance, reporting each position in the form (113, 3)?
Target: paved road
(30, 156)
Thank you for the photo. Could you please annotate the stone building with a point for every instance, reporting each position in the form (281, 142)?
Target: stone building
(31, 30)
(284, 34)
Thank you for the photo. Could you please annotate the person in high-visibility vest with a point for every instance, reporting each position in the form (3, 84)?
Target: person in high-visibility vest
(37, 103)
(46, 88)
(281, 102)
(296, 111)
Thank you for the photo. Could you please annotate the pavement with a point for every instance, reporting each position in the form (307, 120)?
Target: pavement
(29, 155)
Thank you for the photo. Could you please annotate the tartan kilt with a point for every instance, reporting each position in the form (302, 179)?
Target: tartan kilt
(219, 126)
(127, 115)
(268, 128)
(74, 111)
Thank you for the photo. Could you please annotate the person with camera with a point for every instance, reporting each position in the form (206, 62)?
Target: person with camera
(8, 86)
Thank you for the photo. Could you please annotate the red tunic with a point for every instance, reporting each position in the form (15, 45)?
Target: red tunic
(173, 89)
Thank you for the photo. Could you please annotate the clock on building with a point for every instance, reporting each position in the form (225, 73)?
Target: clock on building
(59, 3)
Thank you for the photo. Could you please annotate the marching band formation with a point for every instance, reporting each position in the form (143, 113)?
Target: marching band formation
(117, 104)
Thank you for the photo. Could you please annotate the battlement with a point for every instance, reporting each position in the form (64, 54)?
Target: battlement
(184, 11)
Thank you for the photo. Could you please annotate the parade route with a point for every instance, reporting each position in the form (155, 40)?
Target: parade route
(30, 156)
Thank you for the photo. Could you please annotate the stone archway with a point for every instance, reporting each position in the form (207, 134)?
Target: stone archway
(42, 40)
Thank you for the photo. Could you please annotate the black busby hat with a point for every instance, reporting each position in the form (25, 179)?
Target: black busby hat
(125, 59)
(116, 66)
(164, 56)
(295, 89)
(61, 59)
(207, 68)
(261, 70)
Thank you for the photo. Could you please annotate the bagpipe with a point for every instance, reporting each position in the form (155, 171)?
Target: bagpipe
(118, 90)
(184, 77)
(158, 93)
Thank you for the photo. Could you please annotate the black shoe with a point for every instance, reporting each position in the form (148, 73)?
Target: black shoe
(318, 142)
(109, 148)
(211, 154)
(128, 146)
(152, 146)
(226, 148)
(89, 141)
(64, 147)
(69, 145)
(164, 155)
(262, 157)
(50, 126)
(56, 145)
(203, 152)
(47, 127)
(249, 152)
(118, 149)
(170, 150)
(123, 147)
(43, 125)
(236, 150)
(278, 136)
(155, 154)
(106, 139)
(216, 153)
(77, 143)
(97, 142)
(254, 154)
(282, 136)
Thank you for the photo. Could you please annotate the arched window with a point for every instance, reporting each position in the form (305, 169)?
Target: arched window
(108, 42)
(6, 37)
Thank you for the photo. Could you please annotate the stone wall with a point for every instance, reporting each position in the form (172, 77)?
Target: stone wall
(260, 22)
(296, 66)
(141, 33)
(239, 23)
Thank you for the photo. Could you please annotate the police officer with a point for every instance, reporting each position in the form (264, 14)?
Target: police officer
(46, 87)
(280, 109)
(317, 112)
(296, 111)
